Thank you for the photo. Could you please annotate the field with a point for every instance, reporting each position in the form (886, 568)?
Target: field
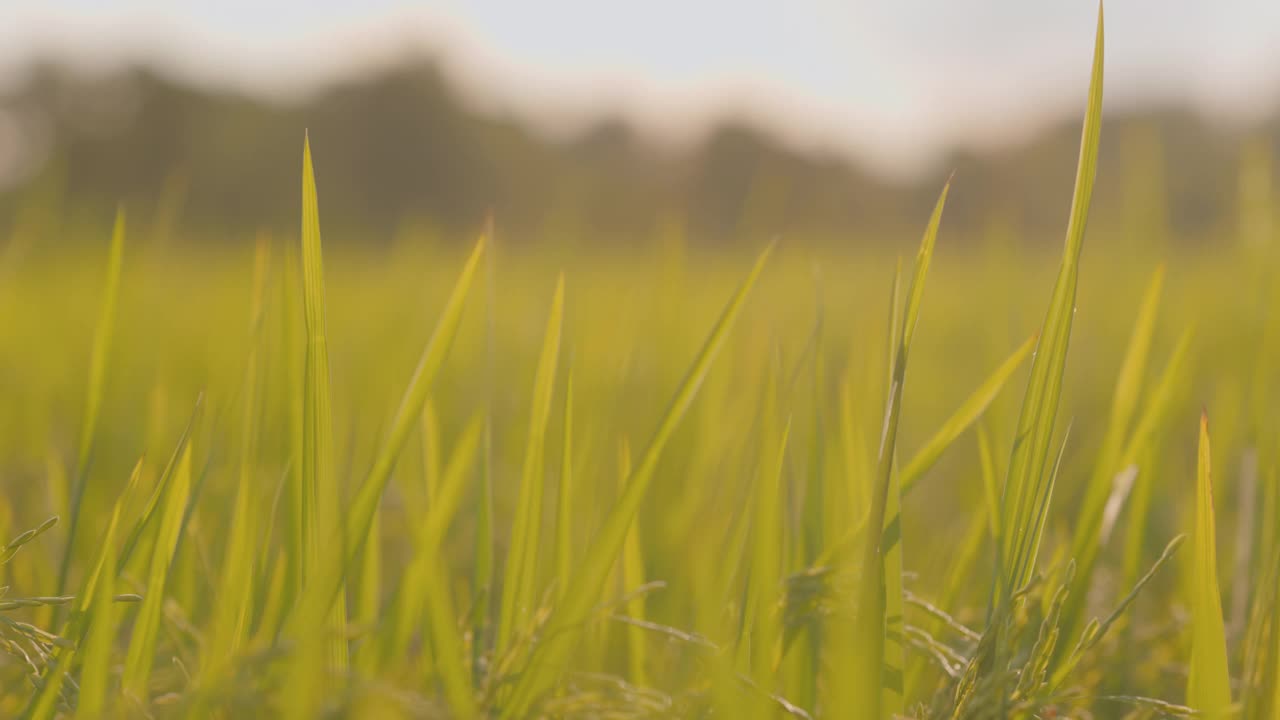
(464, 478)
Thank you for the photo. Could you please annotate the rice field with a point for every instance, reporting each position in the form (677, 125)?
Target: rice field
(993, 478)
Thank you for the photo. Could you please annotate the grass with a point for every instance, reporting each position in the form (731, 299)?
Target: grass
(809, 527)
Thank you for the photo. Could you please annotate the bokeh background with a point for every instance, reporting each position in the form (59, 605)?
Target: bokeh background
(826, 121)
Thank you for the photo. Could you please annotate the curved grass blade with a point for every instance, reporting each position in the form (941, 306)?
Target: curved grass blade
(232, 606)
(1087, 541)
(141, 653)
(1027, 487)
(90, 614)
(587, 584)
(965, 416)
(878, 672)
(324, 588)
(522, 559)
(93, 397)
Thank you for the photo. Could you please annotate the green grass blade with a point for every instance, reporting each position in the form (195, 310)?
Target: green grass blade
(564, 509)
(518, 587)
(965, 416)
(98, 355)
(320, 492)
(323, 590)
(1086, 542)
(407, 604)
(94, 613)
(141, 653)
(587, 584)
(103, 617)
(231, 610)
(1026, 492)
(1209, 681)
(878, 674)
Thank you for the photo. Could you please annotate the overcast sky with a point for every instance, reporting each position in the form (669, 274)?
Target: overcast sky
(891, 81)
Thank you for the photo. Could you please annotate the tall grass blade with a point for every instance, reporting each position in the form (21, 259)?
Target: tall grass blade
(965, 416)
(1027, 487)
(522, 559)
(142, 645)
(878, 674)
(587, 584)
(320, 491)
(98, 355)
(564, 500)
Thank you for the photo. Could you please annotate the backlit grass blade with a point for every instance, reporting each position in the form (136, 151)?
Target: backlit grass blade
(142, 645)
(323, 590)
(98, 355)
(162, 489)
(768, 541)
(877, 675)
(519, 578)
(564, 509)
(1209, 681)
(965, 416)
(1026, 492)
(103, 616)
(94, 614)
(633, 578)
(320, 491)
(1086, 542)
(232, 603)
(442, 623)
(587, 584)
(406, 607)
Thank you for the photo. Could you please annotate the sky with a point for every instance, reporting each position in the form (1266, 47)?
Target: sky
(894, 83)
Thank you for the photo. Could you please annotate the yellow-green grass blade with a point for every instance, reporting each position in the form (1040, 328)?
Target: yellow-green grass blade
(963, 418)
(1026, 492)
(482, 572)
(877, 675)
(294, 362)
(163, 488)
(968, 413)
(1140, 443)
(233, 600)
(587, 584)
(442, 623)
(95, 671)
(1086, 542)
(94, 614)
(98, 355)
(768, 540)
(1208, 681)
(632, 579)
(519, 577)
(320, 492)
(406, 607)
(564, 500)
(323, 590)
(141, 653)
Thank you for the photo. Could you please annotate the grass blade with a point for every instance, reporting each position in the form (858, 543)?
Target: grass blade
(141, 653)
(587, 585)
(564, 509)
(93, 396)
(1209, 681)
(522, 558)
(320, 492)
(878, 674)
(1027, 487)
(965, 416)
